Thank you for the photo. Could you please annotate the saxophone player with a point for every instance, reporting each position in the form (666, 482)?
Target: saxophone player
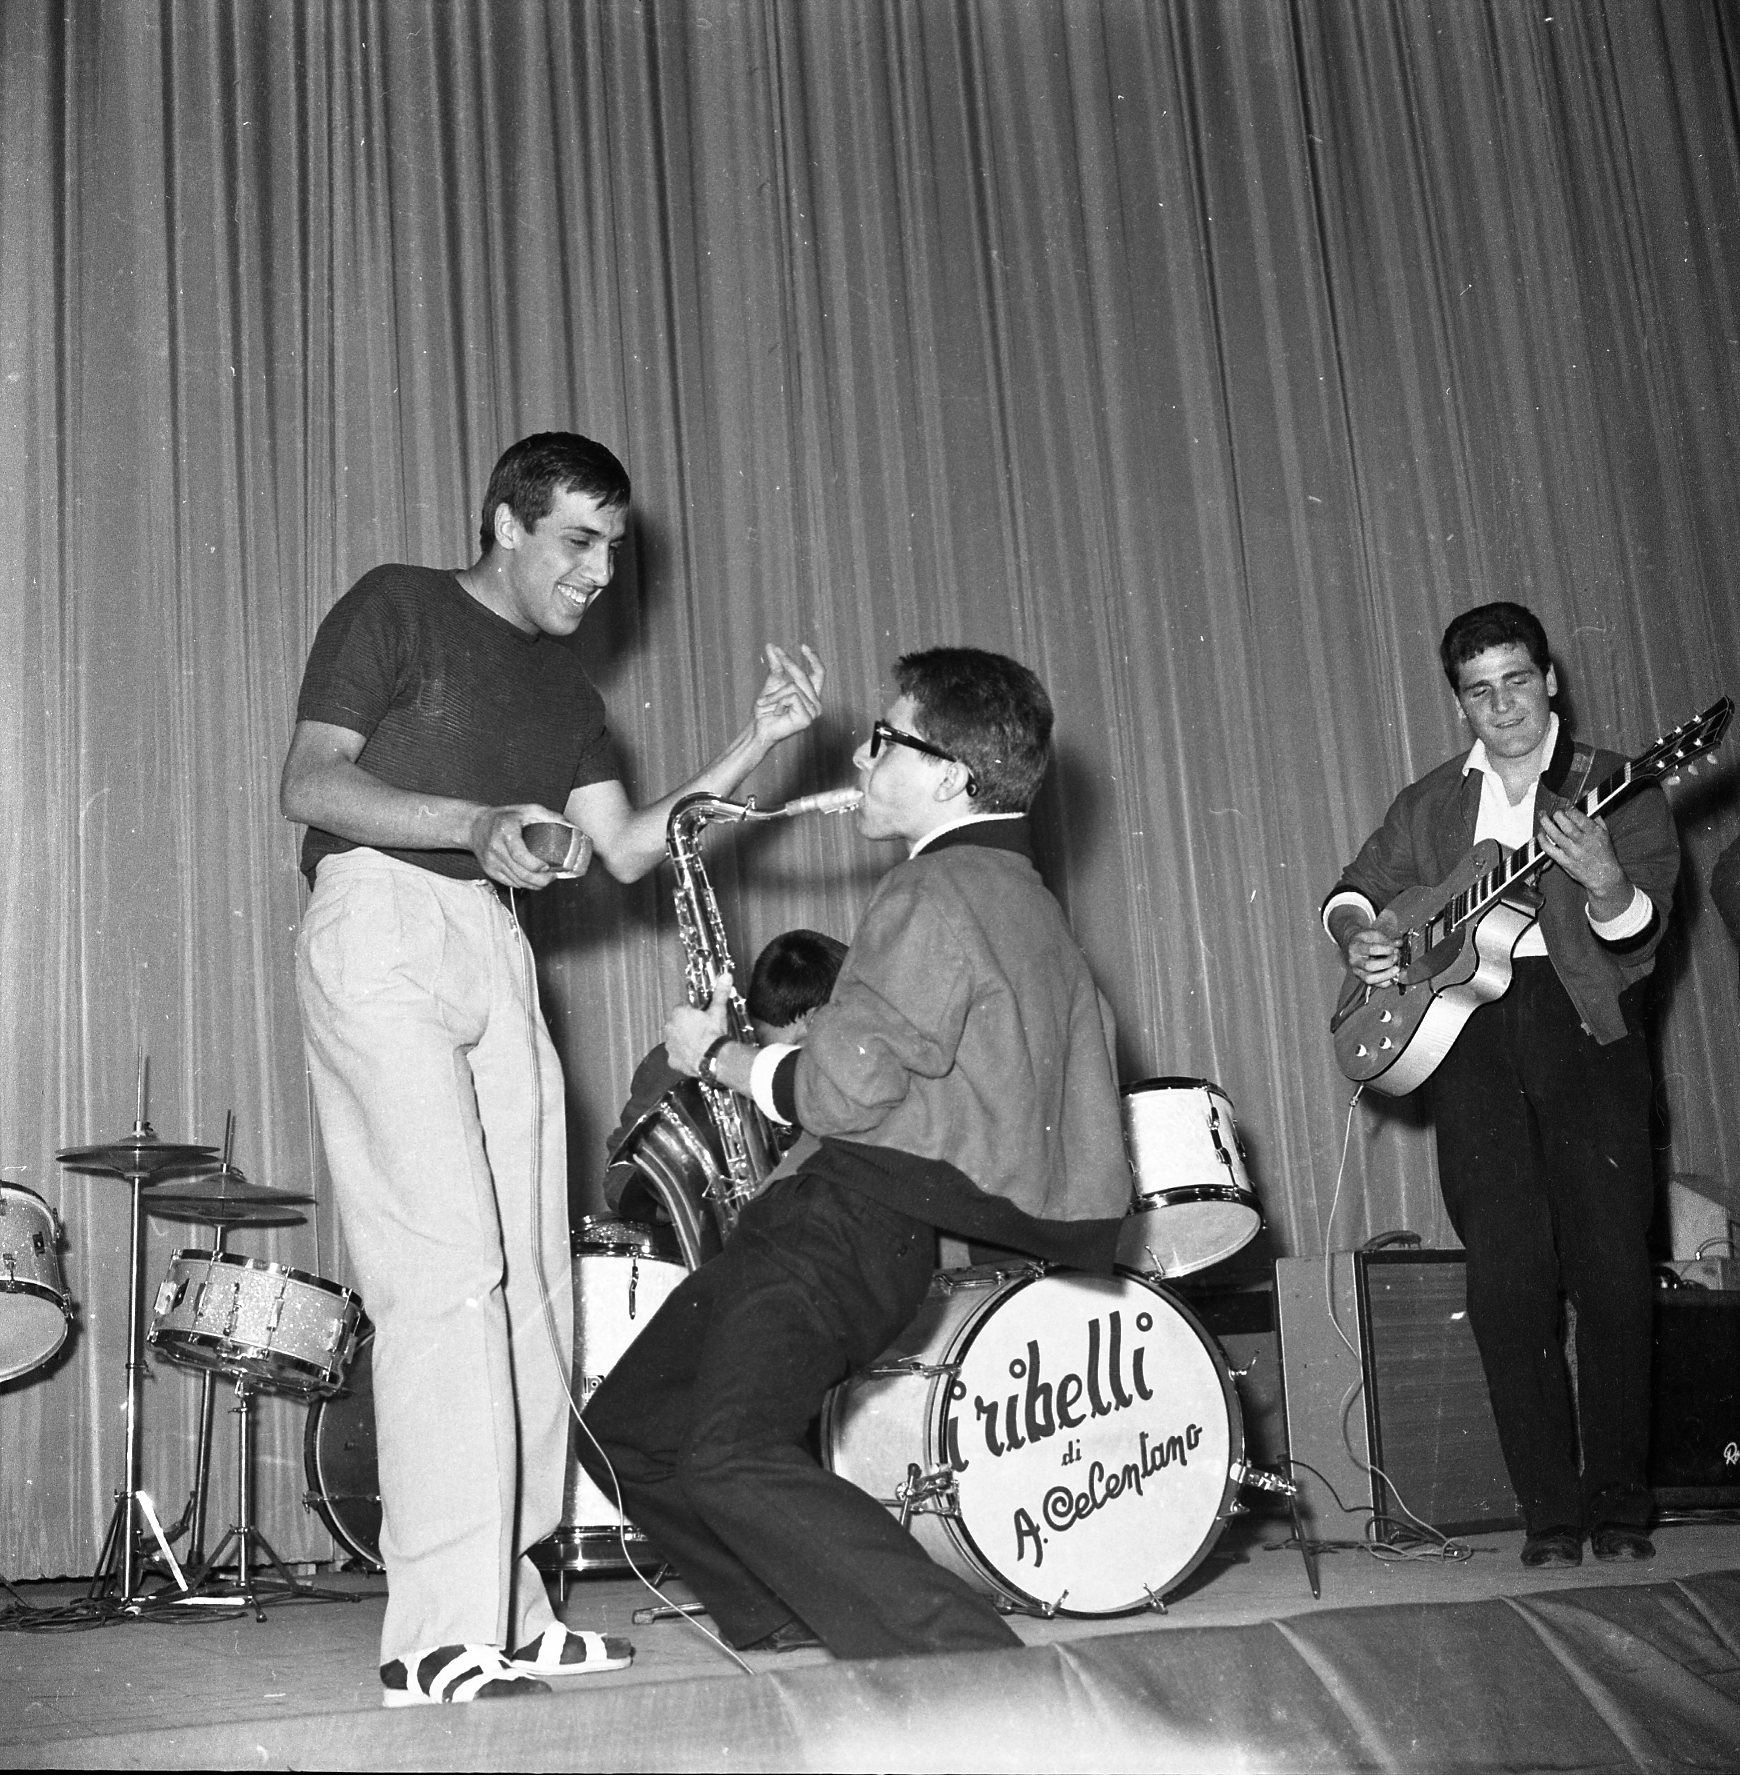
(960, 1079)
(438, 717)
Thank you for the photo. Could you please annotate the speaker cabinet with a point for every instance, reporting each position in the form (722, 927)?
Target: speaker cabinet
(1428, 1418)
(1694, 1431)
(1384, 1398)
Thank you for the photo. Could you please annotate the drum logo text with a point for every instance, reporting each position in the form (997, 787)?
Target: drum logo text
(1111, 1380)
(1038, 1411)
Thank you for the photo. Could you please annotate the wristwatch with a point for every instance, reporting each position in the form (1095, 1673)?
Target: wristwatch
(709, 1067)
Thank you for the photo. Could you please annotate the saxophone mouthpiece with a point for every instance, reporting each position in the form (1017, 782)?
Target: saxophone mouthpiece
(827, 801)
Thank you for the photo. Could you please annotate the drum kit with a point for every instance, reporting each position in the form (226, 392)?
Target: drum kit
(1067, 1444)
(265, 1327)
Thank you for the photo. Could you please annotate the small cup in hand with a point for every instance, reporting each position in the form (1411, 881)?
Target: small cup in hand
(565, 848)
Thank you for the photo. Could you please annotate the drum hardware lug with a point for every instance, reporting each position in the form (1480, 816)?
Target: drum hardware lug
(11, 1270)
(932, 1492)
(1048, 1610)
(1155, 1601)
(1235, 1508)
(1260, 1479)
(911, 1365)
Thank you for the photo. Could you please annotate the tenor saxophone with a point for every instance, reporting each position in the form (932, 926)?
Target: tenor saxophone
(746, 1138)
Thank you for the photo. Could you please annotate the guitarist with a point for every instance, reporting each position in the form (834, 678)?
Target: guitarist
(1541, 1106)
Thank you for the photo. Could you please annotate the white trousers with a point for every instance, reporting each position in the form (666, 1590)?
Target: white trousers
(441, 1111)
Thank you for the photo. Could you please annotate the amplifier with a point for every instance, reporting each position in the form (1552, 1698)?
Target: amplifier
(1694, 1429)
(1384, 1398)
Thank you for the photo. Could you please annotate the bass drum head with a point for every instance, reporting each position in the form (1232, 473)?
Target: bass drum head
(339, 1461)
(1093, 1431)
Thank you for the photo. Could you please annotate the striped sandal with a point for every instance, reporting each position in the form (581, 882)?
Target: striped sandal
(454, 1673)
(571, 1651)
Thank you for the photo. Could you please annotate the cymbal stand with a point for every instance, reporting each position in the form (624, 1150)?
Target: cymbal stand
(133, 1514)
(249, 1541)
(192, 1517)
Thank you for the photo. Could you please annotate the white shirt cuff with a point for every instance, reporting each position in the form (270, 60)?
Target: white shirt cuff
(1633, 919)
(761, 1071)
(1347, 897)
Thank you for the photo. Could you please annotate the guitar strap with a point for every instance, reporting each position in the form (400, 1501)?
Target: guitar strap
(1582, 768)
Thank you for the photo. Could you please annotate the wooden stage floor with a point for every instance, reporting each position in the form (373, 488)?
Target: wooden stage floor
(1402, 1663)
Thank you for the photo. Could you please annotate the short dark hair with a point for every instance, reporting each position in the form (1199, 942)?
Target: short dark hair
(1492, 625)
(988, 711)
(531, 473)
(793, 975)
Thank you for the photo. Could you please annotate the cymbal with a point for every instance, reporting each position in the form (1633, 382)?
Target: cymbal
(225, 1198)
(134, 1155)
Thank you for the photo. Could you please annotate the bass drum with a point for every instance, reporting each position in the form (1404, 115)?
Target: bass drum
(35, 1307)
(1071, 1444)
(338, 1459)
(1194, 1205)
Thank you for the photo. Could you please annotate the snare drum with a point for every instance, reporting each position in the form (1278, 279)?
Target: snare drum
(282, 1329)
(1194, 1205)
(35, 1307)
(618, 1286)
(338, 1457)
(1068, 1443)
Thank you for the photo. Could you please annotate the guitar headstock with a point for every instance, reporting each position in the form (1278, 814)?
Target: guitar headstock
(1677, 752)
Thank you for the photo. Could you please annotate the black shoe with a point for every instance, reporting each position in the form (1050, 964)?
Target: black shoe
(1616, 1541)
(1553, 1546)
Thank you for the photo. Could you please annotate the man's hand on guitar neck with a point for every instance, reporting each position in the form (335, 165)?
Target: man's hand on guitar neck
(1370, 947)
(1583, 848)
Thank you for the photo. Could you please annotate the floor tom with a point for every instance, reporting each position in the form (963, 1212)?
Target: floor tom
(616, 1293)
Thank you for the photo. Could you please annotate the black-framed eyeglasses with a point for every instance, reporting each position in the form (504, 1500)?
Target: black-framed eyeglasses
(882, 734)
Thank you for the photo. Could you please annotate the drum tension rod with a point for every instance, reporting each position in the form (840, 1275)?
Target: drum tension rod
(934, 1491)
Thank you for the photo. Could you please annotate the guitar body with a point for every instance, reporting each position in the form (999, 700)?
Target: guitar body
(1393, 1037)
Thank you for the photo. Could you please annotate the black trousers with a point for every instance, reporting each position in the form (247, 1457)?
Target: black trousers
(705, 1421)
(1544, 1160)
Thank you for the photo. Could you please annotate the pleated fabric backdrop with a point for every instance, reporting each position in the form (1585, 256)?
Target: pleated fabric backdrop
(1207, 354)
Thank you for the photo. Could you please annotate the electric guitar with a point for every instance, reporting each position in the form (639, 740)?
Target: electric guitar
(1455, 940)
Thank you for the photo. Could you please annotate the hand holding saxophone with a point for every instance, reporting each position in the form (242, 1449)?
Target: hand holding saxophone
(690, 1030)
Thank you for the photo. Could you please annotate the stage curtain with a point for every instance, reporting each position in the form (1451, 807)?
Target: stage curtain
(1207, 354)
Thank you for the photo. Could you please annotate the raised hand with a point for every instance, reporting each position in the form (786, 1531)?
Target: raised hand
(791, 698)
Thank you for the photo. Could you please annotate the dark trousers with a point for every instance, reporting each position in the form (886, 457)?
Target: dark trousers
(1544, 1160)
(706, 1417)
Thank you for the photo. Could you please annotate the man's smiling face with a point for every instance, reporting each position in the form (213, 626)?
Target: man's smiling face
(556, 568)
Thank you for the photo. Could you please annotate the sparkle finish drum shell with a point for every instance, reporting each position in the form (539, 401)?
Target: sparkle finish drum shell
(286, 1331)
(35, 1307)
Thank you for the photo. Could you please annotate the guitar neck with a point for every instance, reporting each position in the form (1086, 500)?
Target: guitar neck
(1515, 870)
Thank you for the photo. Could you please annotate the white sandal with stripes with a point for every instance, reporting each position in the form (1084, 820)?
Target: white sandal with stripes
(571, 1651)
(455, 1673)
